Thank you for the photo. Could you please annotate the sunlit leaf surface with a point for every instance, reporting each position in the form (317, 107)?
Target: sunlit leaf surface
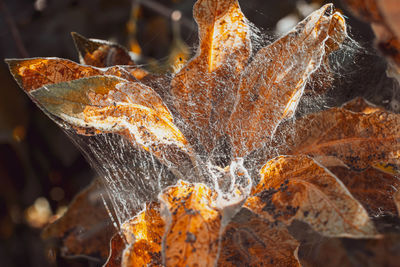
(296, 187)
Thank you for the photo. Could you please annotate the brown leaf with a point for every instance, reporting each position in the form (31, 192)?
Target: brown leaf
(374, 189)
(34, 73)
(86, 228)
(249, 240)
(396, 198)
(296, 187)
(102, 104)
(117, 245)
(273, 83)
(338, 136)
(192, 235)
(143, 234)
(332, 252)
(384, 18)
(100, 53)
(204, 90)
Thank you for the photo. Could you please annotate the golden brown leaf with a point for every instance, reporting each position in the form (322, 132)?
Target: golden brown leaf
(144, 234)
(249, 240)
(372, 188)
(273, 83)
(193, 226)
(34, 73)
(338, 136)
(359, 104)
(296, 187)
(100, 53)
(107, 104)
(204, 90)
(86, 228)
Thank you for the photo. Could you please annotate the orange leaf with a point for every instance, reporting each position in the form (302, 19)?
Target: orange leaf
(86, 228)
(34, 73)
(204, 90)
(273, 83)
(193, 226)
(143, 234)
(249, 240)
(295, 187)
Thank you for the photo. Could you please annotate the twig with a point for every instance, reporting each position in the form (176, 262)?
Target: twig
(166, 12)
(14, 30)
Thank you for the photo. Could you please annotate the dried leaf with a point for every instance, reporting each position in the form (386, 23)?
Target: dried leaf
(193, 226)
(143, 234)
(34, 73)
(296, 187)
(86, 228)
(374, 189)
(102, 104)
(396, 198)
(100, 53)
(249, 240)
(273, 83)
(338, 136)
(117, 245)
(332, 252)
(204, 90)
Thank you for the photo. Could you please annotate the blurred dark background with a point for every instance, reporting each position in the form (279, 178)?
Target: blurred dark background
(40, 169)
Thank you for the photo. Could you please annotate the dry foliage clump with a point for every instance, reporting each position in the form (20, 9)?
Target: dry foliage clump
(319, 180)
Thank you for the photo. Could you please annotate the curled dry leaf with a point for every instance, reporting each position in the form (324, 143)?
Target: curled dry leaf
(34, 73)
(296, 187)
(143, 235)
(338, 136)
(273, 83)
(193, 225)
(86, 228)
(101, 53)
(249, 240)
(204, 90)
(372, 188)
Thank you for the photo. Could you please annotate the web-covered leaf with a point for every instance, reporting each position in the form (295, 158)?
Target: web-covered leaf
(273, 83)
(102, 104)
(86, 228)
(204, 90)
(296, 187)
